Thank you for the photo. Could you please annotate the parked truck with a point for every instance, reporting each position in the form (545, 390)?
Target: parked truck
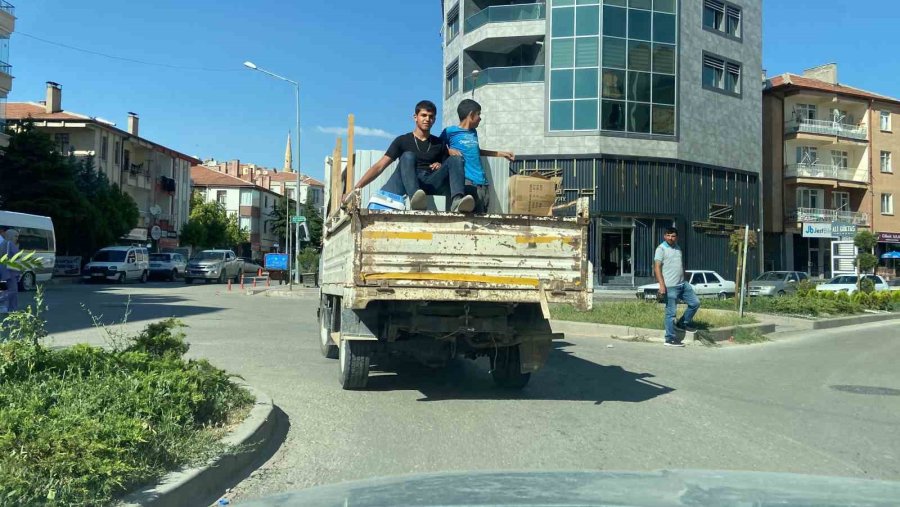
(435, 286)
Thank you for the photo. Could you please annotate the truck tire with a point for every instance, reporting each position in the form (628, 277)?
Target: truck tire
(326, 322)
(507, 369)
(354, 358)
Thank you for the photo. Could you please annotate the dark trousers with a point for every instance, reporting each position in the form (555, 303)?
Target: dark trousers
(449, 180)
(481, 194)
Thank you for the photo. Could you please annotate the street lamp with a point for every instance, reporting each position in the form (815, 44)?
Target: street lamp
(252, 66)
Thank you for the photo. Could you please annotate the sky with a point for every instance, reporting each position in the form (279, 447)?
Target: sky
(372, 59)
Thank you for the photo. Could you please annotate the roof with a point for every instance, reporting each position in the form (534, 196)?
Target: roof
(312, 182)
(202, 176)
(292, 177)
(19, 111)
(793, 80)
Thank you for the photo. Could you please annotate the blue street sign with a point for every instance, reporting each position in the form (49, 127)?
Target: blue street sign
(276, 262)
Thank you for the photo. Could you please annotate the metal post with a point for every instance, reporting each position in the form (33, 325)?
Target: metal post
(297, 202)
(744, 268)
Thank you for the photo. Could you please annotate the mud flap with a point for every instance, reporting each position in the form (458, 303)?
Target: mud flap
(359, 324)
(534, 350)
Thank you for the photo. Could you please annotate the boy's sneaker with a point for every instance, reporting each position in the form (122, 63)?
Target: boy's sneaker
(463, 204)
(674, 344)
(690, 328)
(418, 201)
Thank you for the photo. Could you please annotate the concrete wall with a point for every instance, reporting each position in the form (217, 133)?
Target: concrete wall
(885, 182)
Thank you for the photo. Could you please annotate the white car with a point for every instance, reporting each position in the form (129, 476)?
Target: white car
(119, 263)
(847, 283)
(167, 265)
(704, 283)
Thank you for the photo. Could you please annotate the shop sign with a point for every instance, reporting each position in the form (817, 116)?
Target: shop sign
(817, 230)
(889, 237)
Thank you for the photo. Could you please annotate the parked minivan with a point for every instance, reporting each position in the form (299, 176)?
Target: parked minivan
(118, 263)
(35, 234)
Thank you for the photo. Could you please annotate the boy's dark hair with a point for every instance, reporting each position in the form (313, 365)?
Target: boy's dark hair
(671, 230)
(427, 105)
(467, 107)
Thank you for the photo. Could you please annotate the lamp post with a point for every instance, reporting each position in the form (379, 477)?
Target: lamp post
(253, 66)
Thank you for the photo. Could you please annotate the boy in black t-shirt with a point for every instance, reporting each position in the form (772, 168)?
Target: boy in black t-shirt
(425, 167)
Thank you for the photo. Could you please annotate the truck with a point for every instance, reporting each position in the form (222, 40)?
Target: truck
(214, 265)
(435, 286)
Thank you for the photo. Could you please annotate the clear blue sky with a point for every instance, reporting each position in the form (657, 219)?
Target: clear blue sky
(374, 59)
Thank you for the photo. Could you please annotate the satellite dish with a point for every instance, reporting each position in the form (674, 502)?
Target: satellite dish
(155, 210)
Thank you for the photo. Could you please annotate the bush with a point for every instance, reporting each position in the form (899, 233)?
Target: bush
(866, 285)
(83, 425)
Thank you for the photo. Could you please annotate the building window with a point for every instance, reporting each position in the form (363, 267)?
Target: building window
(245, 224)
(452, 23)
(887, 204)
(807, 155)
(886, 121)
(452, 77)
(722, 17)
(810, 198)
(840, 201)
(62, 142)
(266, 201)
(720, 74)
(613, 67)
(221, 196)
(886, 162)
(246, 198)
(104, 148)
(805, 112)
(839, 159)
(116, 154)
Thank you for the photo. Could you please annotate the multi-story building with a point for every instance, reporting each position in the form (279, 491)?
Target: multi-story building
(649, 107)
(253, 204)
(311, 189)
(157, 177)
(7, 26)
(828, 152)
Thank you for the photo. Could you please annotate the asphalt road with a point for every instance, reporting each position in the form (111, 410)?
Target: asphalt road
(599, 403)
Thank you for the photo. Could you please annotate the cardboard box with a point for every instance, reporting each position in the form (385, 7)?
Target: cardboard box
(532, 195)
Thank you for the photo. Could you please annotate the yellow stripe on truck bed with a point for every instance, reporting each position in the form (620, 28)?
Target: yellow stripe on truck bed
(455, 277)
(422, 236)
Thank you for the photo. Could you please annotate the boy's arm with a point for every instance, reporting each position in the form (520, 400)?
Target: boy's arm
(370, 175)
(452, 152)
(508, 155)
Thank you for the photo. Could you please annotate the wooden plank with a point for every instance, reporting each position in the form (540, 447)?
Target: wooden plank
(336, 186)
(350, 180)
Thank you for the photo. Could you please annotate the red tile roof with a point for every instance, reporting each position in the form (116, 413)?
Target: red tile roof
(793, 80)
(309, 180)
(23, 110)
(292, 177)
(205, 177)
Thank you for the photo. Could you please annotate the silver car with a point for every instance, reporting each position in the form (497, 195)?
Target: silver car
(169, 266)
(776, 283)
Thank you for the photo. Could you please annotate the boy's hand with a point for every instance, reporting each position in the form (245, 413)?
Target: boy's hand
(435, 166)
(507, 155)
(454, 152)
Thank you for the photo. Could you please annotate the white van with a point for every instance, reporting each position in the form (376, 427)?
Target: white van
(118, 263)
(35, 234)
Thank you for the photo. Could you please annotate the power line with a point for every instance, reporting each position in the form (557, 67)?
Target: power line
(121, 58)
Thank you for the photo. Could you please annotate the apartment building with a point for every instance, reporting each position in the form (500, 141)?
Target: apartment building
(828, 153)
(252, 203)
(157, 177)
(7, 26)
(311, 189)
(651, 108)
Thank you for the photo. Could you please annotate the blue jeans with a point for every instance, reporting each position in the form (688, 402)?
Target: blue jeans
(449, 180)
(684, 292)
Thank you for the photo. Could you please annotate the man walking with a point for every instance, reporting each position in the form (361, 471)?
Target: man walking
(668, 266)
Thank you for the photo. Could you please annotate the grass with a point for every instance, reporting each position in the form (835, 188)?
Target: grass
(644, 315)
(812, 304)
(85, 425)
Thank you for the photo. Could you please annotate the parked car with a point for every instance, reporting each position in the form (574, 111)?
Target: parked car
(776, 283)
(118, 263)
(847, 283)
(704, 283)
(218, 265)
(167, 265)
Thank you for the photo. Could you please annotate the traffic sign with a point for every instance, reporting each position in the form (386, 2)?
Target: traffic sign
(298, 219)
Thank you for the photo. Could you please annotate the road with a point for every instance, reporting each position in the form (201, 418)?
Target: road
(598, 404)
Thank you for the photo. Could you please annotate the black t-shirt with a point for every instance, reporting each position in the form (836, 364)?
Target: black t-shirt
(427, 152)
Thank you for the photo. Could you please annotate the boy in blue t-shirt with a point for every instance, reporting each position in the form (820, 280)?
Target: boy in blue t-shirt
(462, 141)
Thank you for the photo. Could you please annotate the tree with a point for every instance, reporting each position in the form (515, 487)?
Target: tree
(865, 261)
(736, 244)
(210, 226)
(314, 222)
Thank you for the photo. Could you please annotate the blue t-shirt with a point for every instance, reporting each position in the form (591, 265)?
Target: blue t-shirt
(466, 141)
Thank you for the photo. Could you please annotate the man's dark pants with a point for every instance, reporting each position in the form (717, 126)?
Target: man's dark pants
(449, 180)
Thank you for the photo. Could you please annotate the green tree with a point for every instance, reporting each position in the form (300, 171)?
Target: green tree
(314, 222)
(865, 260)
(210, 226)
(278, 217)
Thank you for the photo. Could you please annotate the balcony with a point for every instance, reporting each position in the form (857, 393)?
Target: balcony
(828, 128)
(829, 215)
(506, 13)
(503, 75)
(825, 172)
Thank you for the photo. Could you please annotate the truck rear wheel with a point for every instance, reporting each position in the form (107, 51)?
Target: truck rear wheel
(354, 359)
(326, 323)
(507, 369)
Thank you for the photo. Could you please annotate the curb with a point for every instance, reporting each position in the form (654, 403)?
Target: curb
(202, 485)
(652, 335)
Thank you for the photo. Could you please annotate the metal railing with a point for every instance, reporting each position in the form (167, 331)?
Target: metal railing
(5, 68)
(829, 215)
(831, 128)
(506, 13)
(494, 75)
(825, 171)
(7, 7)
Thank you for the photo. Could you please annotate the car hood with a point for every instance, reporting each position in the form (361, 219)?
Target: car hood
(659, 488)
(205, 263)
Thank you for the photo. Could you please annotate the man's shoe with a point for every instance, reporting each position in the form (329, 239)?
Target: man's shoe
(463, 204)
(418, 201)
(674, 344)
(690, 328)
